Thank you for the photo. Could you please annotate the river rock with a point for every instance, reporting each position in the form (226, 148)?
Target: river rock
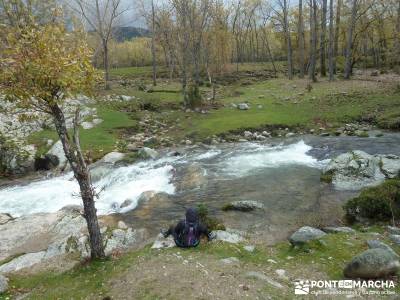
(147, 153)
(230, 260)
(354, 170)
(371, 264)
(390, 165)
(246, 205)
(191, 177)
(339, 230)
(243, 106)
(374, 244)
(87, 125)
(226, 236)
(3, 284)
(23, 261)
(305, 234)
(161, 242)
(5, 218)
(112, 158)
(58, 151)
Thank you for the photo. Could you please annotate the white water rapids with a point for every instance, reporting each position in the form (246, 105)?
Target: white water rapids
(129, 182)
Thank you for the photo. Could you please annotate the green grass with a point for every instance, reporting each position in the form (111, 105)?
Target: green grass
(100, 139)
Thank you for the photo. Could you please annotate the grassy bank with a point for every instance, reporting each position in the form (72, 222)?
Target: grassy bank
(141, 272)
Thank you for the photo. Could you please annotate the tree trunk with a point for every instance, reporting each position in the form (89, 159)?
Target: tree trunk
(313, 40)
(350, 44)
(337, 34)
(323, 39)
(153, 45)
(397, 41)
(106, 65)
(288, 40)
(331, 43)
(301, 40)
(75, 158)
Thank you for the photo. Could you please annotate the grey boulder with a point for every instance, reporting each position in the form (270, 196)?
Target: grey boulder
(371, 264)
(304, 235)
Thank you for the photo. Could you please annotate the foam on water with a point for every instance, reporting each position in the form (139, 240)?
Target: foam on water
(129, 182)
(125, 183)
(261, 156)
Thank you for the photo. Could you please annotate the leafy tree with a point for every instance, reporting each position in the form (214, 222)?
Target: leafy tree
(41, 66)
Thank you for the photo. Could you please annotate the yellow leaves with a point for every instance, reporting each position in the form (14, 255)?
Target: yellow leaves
(43, 61)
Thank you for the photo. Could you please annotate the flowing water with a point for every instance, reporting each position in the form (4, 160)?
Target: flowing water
(282, 174)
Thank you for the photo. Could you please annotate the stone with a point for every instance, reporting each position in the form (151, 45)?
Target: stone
(147, 153)
(354, 170)
(245, 205)
(162, 243)
(87, 125)
(112, 158)
(249, 248)
(390, 165)
(263, 277)
(225, 236)
(305, 234)
(281, 273)
(192, 177)
(290, 134)
(243, 106)
(372, 264)
(97, 121)
(23, 261)
(339, 230)
(230, 260)
(58, 150)
(373, 244)
(122, 225)
(5, 218)
(247, 134)
(126, 98)
(126, 203)
(3, 284)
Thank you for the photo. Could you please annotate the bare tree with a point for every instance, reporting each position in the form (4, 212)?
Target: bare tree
(153, 43)
(323, 39)
(331, 43)
(301, 39)
(101, 16)
(286, 29)
(313, 39)
(350, 41)
(337, 33)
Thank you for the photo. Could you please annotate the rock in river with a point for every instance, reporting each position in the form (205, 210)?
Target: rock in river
(371, 264)
(247, 205)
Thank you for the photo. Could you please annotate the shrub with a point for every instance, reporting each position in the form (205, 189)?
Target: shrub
(379, 203)
(193, 96)
(211, 222)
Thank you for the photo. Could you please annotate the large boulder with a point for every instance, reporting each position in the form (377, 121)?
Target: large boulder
(23, 261)
(304, 235)
(354, 170)
(5, 218)
(372, 264)
(58, 151)
(375, 244)
(331, 229)
(390, 165)
(112, 158)
(246, 205)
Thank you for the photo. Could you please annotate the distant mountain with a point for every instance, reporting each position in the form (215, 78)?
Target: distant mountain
(127, 33)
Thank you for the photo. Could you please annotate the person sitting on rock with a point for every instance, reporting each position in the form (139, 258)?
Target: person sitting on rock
(187, 233)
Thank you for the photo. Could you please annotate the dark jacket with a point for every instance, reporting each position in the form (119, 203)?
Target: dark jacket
(181, 231)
